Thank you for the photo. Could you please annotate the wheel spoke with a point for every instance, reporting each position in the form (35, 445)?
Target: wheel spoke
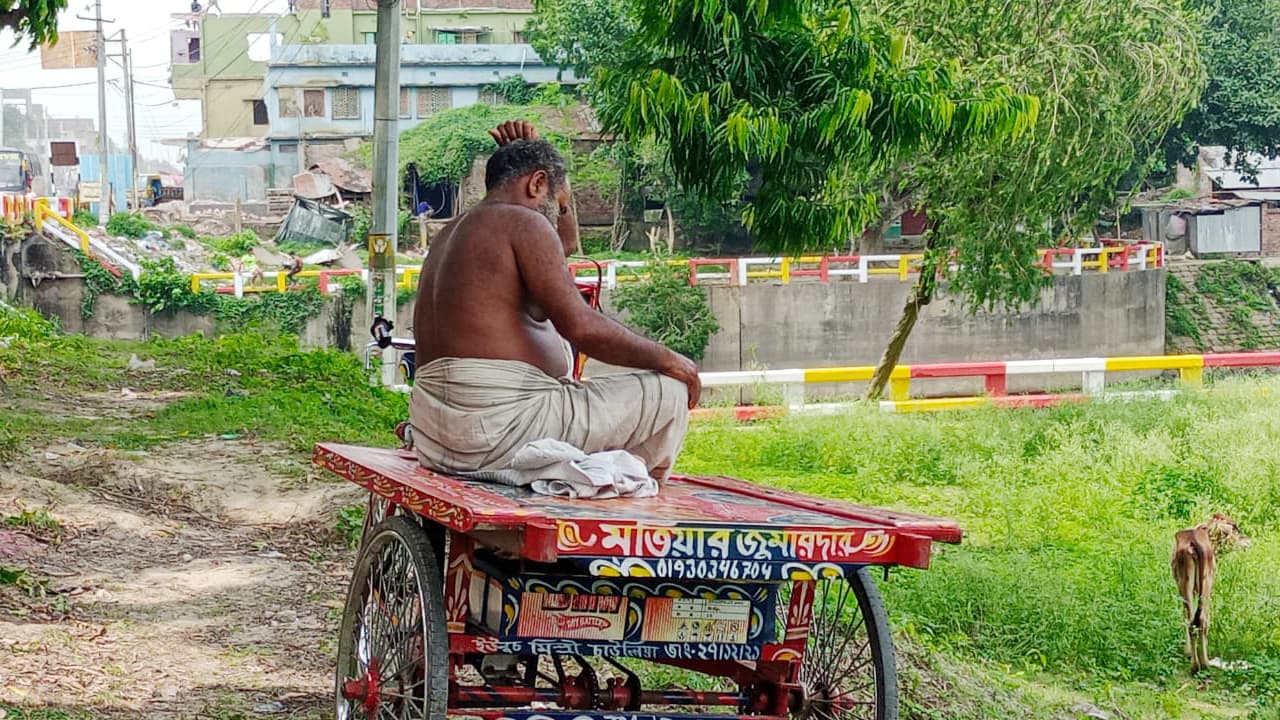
(387, 625)
(841, 674)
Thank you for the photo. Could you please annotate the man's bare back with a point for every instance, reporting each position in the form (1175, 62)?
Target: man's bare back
(495, 284)
(496, 304)
(472, 301)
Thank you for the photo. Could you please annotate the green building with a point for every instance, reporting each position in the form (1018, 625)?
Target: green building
(221, 60)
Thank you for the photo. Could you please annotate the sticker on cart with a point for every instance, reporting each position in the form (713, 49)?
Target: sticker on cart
(572, 617)
(695, 620)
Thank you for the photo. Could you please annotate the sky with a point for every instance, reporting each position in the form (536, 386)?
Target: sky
(73, 93)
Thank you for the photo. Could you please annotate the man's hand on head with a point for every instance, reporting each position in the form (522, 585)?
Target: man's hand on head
(513, 130)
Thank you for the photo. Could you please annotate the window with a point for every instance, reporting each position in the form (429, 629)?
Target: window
(193, 49)
(288, 148)
(517, 37)
(313, 103)
(432, 100)
(406, 108)
(260, 112)
(324, 8)
(491, 96)
(288, 106)
(260, 45)
(346, 103)
(446, 38)
(370, 38)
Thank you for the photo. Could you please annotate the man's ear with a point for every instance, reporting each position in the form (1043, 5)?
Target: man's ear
(538, 184)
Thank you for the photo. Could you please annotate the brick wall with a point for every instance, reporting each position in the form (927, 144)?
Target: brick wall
(1271, 231)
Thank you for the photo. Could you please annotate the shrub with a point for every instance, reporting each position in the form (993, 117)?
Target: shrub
(235, 245)
(667, 309)
(129, 224)
(25, 324)
(84, 219)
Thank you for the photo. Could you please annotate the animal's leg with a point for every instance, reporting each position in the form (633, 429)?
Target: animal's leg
(1184, 569)
(1206, 595)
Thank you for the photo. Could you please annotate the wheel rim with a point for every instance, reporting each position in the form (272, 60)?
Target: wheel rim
(383, 669)
(838, 674)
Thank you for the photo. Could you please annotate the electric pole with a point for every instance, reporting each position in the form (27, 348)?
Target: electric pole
(126, 59)
(104, 184)
(381, 304)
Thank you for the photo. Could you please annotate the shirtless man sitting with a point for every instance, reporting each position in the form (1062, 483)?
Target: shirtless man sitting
(496, 305)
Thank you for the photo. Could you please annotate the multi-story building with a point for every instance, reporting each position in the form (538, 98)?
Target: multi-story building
(301, 84)
(222, 60)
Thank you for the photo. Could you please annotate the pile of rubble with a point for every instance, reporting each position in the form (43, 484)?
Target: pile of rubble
(215, 219)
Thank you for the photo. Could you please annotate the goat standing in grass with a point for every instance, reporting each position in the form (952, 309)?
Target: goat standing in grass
(1195, 565)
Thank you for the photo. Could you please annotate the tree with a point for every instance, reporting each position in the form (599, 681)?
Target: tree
(798, 95)
(1112, 79)
(1240, 107)
(36, 20)
(846, 119)
(581, 34)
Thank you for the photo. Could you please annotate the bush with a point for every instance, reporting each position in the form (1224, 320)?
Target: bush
(84, 219)
(129, 224)
(185, 231)
(667, 309)
(242, 243)
(25, 324)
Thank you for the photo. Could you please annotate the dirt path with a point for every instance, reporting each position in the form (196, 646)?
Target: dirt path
(198, 580)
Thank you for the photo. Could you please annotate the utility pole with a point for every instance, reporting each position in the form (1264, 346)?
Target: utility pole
(104, 201)
(381, 304)
(126, 59)
(298, 95)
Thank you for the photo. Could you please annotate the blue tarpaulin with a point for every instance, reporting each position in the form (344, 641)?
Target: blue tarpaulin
(120, 175)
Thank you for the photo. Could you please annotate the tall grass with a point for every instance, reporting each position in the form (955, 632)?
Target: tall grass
(1069, 512)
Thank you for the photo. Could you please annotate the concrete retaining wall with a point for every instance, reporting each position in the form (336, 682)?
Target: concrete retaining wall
(842, 324)
(773, 326)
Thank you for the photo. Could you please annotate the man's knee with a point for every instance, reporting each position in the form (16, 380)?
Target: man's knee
(675, 398)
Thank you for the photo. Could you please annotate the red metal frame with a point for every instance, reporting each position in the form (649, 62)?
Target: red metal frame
(689, 519)
(691, 515)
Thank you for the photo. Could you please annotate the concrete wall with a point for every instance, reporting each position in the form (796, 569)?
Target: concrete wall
(812, 325)
(803, 325)
(229, 174)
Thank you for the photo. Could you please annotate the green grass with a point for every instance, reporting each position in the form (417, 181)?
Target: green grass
(1069, 513)
(38, 520)
(1060, 593)
(243, 384)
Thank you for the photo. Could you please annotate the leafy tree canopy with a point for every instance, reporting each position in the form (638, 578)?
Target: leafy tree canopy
(34, 20)
(802, 95)
(1240, 107)
(582, 34)
(1112, 79)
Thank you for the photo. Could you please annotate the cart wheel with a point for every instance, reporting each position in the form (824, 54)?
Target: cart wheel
(393, 647)
(849, 671)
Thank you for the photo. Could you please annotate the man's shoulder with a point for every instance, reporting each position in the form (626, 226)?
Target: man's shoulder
(506, 213)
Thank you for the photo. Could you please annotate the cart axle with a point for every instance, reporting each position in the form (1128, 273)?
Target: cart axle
(366, 690)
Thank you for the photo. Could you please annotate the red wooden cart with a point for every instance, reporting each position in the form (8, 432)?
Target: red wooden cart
(478, 600)
(473, 599)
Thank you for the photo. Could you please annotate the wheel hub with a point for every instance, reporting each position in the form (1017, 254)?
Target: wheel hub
(366, 690)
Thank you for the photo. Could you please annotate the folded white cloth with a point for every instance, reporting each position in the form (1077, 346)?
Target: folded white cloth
(553, 467)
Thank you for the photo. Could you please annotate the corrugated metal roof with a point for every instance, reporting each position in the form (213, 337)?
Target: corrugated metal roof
(1214, 161)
